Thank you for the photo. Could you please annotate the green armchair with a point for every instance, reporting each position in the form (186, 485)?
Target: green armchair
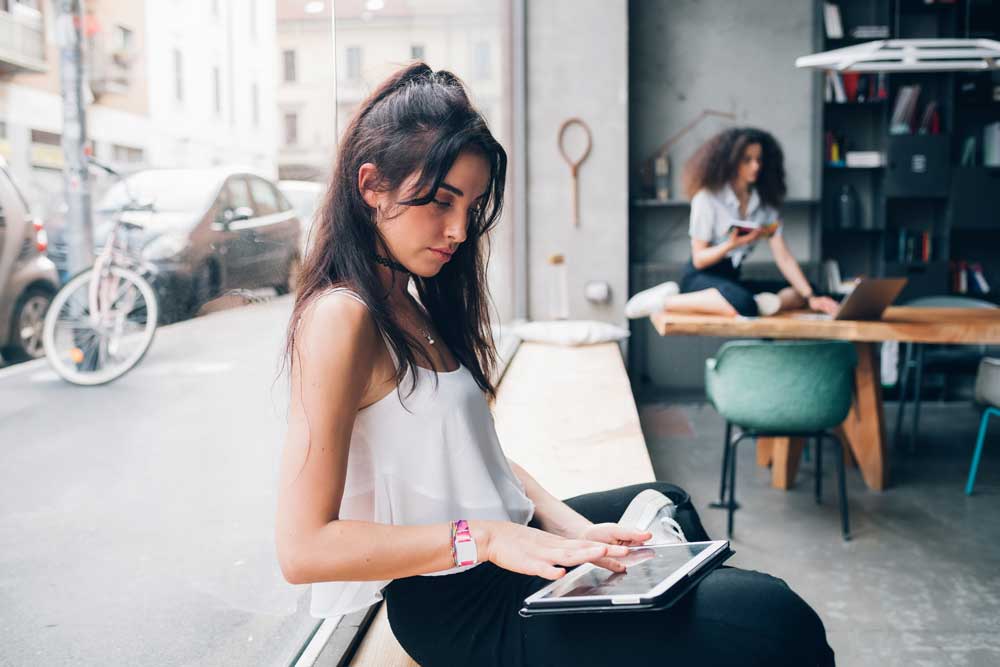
(781, 389)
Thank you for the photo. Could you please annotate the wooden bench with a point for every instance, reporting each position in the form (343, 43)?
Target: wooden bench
(568, 417)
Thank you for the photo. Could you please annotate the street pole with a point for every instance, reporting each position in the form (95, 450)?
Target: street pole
(76, 182)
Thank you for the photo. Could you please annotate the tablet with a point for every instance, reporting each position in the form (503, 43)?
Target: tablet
(657, 576)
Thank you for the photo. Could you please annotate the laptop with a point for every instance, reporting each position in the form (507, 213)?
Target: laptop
(867, 301)
(656, 577)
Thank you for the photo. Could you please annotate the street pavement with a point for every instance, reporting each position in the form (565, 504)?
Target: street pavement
(136, 518)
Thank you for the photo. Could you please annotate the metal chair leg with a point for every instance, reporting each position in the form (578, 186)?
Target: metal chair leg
(916, 397)
(819, 469)
(725, 463)
(732, 505)
(845, 525)
(974, 468)
(727, 454)
(903, 381)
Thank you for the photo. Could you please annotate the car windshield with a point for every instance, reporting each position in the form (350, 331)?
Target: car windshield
(165, 189)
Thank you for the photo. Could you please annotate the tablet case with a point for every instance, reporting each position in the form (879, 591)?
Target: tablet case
(665, 600)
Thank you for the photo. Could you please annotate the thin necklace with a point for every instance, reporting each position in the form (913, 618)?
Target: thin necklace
(396, 266)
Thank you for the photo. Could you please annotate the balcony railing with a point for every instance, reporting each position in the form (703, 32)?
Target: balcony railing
(22, 41)
(109, 70)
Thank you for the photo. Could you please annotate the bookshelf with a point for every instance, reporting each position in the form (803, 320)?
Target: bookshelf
(921, 204)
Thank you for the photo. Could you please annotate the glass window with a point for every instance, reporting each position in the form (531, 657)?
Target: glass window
(482, 66)
(216, 90)
(178, 76)
(255, 104)
(264, 196)
(353, 66)
(238, 194)
(288, 62)
(431, 28)
(122, 39)
(168, 190)
(291, 129)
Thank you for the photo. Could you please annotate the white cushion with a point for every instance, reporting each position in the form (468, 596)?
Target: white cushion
(569, 332)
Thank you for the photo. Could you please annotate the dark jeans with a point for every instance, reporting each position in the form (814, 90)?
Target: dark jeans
(724, 277)
(733, 617)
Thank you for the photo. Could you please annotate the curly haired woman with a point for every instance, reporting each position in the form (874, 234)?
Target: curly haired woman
(736, 182)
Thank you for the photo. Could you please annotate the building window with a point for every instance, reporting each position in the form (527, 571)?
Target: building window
(217, 90)
(178, 76)
(126, 154)
(353, 63)
(291, 129)
(122, 39)
(255, 104)
(481, 61)
(416, 52)
(288, 60)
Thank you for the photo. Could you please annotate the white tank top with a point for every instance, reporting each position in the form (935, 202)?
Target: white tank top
(437, 462)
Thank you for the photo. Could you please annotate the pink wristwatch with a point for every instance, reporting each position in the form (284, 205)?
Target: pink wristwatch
(463, 547)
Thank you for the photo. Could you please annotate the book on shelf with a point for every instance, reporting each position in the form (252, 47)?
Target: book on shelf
(859, 159)
(980, 280)
(870, 32)
(904, 110)
(914, 246)
(991, 145)
(930, 123)
(835, 91)
(968, 152)
(968, 278)
(831, 19)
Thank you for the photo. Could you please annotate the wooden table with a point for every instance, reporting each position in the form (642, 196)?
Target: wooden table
(864, 427)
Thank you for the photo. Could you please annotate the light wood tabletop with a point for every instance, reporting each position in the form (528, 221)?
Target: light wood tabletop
(864, 428)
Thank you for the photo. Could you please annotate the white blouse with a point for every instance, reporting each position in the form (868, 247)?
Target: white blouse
(436, 460)
(714, 212)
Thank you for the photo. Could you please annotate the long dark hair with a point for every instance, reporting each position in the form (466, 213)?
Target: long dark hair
(718, 160)
(417, 121)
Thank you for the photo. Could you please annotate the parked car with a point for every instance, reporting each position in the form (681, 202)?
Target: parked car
(28, 277)
(207, 231)
(305, 197)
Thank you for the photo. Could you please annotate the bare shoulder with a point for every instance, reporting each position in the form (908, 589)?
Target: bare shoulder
(338, 325)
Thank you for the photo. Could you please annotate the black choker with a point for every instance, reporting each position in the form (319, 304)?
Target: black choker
(395, 266)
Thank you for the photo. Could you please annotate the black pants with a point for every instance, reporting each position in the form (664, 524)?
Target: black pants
(733, 617)
(724, 277)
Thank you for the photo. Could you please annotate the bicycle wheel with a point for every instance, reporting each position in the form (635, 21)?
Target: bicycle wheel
(91, 346)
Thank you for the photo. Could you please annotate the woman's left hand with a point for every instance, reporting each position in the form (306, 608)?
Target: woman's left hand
(823, 304)
(613, 533)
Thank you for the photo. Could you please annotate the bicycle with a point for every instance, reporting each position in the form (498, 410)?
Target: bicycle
(102, 321)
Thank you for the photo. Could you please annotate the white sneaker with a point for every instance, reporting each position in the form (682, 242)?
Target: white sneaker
(652, 511)
(768, 303)
(650, 301)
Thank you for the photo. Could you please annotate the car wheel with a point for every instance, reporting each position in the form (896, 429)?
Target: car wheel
(27, 324)
(291, 277)
(204, 287)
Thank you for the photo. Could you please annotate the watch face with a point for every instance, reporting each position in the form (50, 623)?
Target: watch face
(465, 552)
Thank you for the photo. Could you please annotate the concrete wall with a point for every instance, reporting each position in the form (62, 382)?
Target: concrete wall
(577, 66)
(738, 57)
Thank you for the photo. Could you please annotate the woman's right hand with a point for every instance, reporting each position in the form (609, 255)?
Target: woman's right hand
(737, 240)
(538, 553)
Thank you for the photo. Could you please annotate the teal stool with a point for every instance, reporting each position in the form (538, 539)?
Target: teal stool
(988, 394)
(781, 389)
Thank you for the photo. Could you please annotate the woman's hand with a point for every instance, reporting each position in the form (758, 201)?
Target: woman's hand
(614, 533)
(535, 552)
(823, 304)
(737, 240)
